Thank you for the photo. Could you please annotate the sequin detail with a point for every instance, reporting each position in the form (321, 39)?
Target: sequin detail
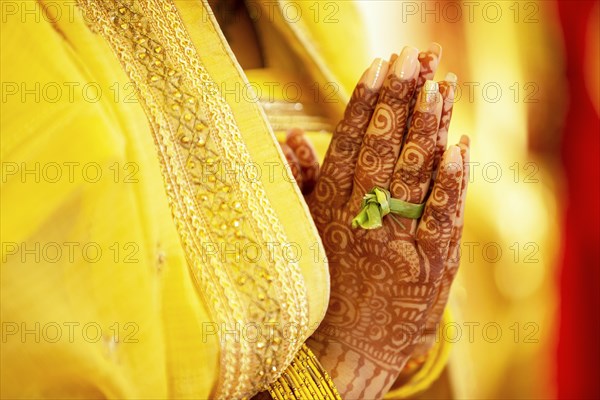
(198, 142)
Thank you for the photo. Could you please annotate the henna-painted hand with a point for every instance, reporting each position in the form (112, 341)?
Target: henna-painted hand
(302, 159)
(388, 284)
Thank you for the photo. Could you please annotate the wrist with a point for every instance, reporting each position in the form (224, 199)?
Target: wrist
(356, 374)
(336, 358)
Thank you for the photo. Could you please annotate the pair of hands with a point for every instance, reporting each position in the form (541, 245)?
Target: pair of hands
(389, 286)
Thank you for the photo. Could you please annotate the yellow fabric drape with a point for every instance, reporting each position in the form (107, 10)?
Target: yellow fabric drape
(99, 295)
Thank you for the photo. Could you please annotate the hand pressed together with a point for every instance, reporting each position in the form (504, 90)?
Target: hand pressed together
(389, 286)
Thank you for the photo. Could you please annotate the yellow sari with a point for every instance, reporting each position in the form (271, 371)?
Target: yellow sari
(154, 244)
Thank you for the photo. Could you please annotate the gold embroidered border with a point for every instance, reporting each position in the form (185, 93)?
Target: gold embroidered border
(195, 133)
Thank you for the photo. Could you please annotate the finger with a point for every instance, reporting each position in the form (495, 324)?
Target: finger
(447, 90)
(435, 227)
(413, 171)
(428, 61)
(382, 140)
(307, 158)
(453, 258)
(293, 163)
(453, 252)
(453, 261)
(334, 185)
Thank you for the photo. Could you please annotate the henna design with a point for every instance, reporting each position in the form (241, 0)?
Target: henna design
(293, 162)
(383, 285)
(389, 286)
(384, 282)
(307, 159)
(414, 169)
(451, 266)
(436, 224)
(452, 262)
(447, 92)
(383, 138)
(302, 159)
(429, 62)
(335, 181)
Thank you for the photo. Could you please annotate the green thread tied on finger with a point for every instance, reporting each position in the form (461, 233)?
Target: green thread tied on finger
(378, 203)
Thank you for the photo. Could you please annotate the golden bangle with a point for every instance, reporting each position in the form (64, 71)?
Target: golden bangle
(304, 379)
(415, 364)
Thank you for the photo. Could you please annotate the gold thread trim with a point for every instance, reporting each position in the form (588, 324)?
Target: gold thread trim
(194, 128)
(304, 379)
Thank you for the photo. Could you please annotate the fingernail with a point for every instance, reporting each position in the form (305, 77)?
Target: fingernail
(430, 92)
(453, 156)
(407, 63)
(464, 139)
(393, 58)
(375, 75)
(436, 49)
(451, 77)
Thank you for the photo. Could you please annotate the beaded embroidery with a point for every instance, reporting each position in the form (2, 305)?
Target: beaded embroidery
(199, 144)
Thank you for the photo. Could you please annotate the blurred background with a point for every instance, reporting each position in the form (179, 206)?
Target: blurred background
(526, 301)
